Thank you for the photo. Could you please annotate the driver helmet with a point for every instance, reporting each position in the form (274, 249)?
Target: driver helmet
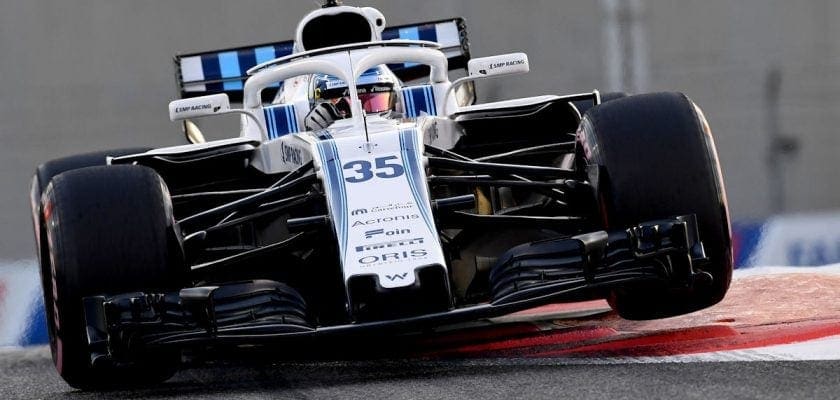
(377, 88)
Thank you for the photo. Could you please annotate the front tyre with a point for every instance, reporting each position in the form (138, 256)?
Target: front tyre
(48, 170)
(108, 230)
(656, 159)
(585, 105)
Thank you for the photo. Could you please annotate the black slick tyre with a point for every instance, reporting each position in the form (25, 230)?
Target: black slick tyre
(107, 230)
(46, 171)
(656, 159)
(584, 106)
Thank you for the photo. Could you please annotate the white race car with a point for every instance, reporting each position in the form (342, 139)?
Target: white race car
(368, 194)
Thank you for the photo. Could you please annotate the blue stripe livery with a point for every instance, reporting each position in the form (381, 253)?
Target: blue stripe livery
(427, 32)
(420, 32)
(229, 67)
(411, 33)
(280, 120)
(235, 64)
(416, 182)
(263, 54)
(334, 184)
(418, 99)
(212, 71)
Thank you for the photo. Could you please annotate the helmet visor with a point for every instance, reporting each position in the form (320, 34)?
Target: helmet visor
(375, 98)
(376, 102)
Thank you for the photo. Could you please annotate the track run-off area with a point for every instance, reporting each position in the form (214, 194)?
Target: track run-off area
(775, 335)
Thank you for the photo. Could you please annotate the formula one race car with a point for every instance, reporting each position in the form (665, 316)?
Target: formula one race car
(368, 195)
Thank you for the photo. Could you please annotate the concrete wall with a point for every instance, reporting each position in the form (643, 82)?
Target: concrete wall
(94, 74)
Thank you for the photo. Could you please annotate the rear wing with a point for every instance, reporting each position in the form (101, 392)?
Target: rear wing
(224, 71)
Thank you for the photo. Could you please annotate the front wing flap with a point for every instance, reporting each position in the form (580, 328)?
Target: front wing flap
(657, 252)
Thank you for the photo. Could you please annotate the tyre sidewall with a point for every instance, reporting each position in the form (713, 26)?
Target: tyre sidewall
(658, 160)
(108, 230)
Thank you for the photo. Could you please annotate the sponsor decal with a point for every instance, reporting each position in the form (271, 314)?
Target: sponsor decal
(506, 64)
(387, 258)
(386, 219)
(291, 154)
(388, 207)
(198, 107)
(502, 64)
(371, 233)
(385, 245)
(336, 83)
(393, 207)
(396, 276)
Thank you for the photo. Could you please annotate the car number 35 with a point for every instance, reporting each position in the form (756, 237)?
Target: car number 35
(383, 167)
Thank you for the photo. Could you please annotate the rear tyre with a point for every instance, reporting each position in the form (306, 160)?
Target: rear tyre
(657, 159)
(107, 230)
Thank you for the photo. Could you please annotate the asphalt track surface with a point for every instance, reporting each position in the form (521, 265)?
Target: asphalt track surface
(29, 374)
(773, 337)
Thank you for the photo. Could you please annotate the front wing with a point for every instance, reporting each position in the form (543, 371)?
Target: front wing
(662, 252)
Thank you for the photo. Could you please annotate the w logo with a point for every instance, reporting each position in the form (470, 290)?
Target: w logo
(397, 276)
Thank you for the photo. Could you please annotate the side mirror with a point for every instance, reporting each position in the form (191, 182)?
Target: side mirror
(193, 133)
(504, 64)
(199, 107)
(465, 94)
(204, 106)
(484, 67)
